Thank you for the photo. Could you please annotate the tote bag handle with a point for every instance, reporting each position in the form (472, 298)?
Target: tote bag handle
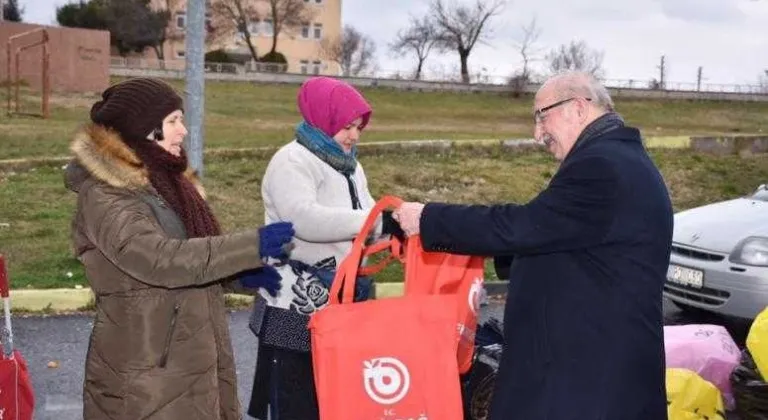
(348, 270)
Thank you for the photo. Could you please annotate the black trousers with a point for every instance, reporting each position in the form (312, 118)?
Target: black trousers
(283, 386)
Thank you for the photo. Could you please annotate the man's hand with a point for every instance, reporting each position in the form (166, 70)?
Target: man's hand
(408, 215)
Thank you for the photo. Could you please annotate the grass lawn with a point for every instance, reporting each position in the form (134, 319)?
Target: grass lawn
(243, 115)
(36, 210)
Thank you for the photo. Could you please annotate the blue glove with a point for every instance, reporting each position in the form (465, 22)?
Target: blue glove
(266, 278)
(274, 239)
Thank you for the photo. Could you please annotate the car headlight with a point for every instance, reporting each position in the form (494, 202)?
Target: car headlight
(751, 251)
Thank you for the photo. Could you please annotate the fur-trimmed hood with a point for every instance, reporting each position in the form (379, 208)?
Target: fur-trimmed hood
(99, 152)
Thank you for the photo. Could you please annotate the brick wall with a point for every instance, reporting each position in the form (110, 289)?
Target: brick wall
(79, 58)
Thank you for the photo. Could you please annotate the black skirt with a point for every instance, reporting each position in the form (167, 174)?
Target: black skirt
(283, 386)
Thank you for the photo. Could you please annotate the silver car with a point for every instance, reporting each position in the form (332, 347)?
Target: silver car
(719, 260)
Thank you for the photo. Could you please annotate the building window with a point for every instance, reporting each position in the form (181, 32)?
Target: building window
(304, 66)
(254, 27)
(318, 31)
(305, 31)
(267, 26)
(180, 54)
(181, 20)
(316, 66)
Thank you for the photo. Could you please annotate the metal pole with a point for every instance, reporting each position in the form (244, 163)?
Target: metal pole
(16, 79)
(8, 49)
(698, 80)
(195, 54)
(46, 80)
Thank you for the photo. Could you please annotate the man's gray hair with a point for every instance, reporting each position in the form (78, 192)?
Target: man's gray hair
(585, 85)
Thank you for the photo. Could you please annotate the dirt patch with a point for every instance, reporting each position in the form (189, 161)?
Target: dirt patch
(377, 126)
(74, 101)
(61, 100)
(452, 126)
(32, 127)
(254, 123)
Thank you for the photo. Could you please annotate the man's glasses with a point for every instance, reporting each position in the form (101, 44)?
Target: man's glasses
(538, 115)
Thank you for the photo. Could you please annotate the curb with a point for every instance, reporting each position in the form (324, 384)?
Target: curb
(50, 300)
(72, 300)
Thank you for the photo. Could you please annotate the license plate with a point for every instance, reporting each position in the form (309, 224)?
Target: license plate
(685, 276)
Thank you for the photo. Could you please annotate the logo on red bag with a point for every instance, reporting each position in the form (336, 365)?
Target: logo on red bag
(386, 380)
(474, 295)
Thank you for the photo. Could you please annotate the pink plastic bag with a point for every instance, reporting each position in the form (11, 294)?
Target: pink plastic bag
(708, 350)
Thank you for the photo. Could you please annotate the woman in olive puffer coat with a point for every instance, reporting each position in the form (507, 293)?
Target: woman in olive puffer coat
(157, 263)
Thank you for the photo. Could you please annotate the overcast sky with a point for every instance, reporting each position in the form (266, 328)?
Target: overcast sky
(729, 38)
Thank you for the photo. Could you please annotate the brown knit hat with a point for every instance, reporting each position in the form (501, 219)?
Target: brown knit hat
(135, 107)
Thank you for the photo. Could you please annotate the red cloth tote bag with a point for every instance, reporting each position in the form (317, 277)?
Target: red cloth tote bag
(385, 359)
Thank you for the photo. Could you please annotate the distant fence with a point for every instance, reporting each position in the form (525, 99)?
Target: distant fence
(275, 73)
(179, 65)
(685, 86)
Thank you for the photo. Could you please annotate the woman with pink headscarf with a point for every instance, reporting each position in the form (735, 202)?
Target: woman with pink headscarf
(315, 182)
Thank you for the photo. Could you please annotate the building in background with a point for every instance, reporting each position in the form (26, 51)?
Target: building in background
(78, 58)
(302, 46)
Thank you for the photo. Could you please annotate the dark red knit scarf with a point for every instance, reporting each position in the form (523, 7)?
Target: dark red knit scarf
(166, 173)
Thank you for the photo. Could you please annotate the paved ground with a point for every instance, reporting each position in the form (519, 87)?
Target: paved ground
(63, 339)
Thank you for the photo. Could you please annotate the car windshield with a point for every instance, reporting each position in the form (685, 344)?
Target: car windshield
(761, 193)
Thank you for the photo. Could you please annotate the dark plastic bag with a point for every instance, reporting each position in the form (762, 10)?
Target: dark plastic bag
(749, 389)
(489, 333)
(477, 385)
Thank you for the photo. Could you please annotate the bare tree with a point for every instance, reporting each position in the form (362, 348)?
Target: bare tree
(762, 82)
(418, 38)
(576, 56)
(231, 17)
(461, 27)
(529, 53)
(353, 51)
(528, 50)
(287, 15)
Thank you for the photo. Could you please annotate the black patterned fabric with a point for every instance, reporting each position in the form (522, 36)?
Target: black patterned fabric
(281, 328)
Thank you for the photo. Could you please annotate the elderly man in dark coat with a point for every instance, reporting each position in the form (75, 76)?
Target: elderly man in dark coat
(583, 317)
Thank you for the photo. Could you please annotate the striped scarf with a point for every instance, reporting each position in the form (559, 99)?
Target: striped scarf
(326, 148)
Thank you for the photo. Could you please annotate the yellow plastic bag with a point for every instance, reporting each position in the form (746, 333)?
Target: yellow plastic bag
(757, 343)
(689, 397)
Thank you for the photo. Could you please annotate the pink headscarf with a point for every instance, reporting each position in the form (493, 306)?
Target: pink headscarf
(330, 104)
